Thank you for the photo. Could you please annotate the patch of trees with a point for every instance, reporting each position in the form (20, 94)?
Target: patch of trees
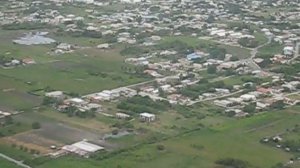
(4, 59)
(36, 125)
(74, 111)
(139, 104)
(217, 53)
(210, 19)
(279, 105)
(110, 38)
(212, 69)
(48, 101)
(154, 9)
(177, 45)
(25, 149)
(248, 42)
(203, 87)
(265, 63)
(283, 25)
(160, 147)
(79, 33)
(288, 70)
(250, 108)
(294, 145)
(232, 163)
(252, 79)
(123, 124)
(86, 33)
(233, 8)
(134, 50)
(25, 26)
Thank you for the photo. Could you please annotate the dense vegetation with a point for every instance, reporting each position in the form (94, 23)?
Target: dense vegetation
(139, 104)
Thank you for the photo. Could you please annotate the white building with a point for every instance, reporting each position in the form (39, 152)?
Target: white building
(55, 94)
(147, 117)
(82, 148)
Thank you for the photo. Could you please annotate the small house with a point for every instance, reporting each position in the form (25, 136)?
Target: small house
(122, 115)
(147, 117)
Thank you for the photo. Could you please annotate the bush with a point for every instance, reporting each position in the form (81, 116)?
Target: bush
(115, 132)
(133, 51)
(233, 163)
(160, 147)
(217, 53)
(25, 26)
(211, 69)
(139, 104)
(248, 42)
(36, 125)
(250, 108)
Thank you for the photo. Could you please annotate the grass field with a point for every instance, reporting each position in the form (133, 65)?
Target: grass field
(235, 138)
(84, 71)
(270, 50)
(6, 164)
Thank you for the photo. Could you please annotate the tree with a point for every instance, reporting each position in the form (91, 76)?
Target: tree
(8, 120)
(210, 19)
(160, 147)
(36, 125)
(248, 42)
(48, 101)
(161, 92)
(250, 108)
(234, 58)
(211, 69)
(217, 53)
(278, 105)
(115, 132)
(233, 163)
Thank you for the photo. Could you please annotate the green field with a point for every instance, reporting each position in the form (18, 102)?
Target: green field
(6, 164)
(83, 71)
(270, 50)
(232, 139)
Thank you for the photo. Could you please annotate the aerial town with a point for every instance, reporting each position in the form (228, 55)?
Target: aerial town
(149, 83)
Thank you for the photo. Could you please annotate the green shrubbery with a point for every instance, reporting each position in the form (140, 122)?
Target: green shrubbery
(139, 104)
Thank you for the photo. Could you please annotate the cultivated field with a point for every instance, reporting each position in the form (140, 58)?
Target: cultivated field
(236, 139)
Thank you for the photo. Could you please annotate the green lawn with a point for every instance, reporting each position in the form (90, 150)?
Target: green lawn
(6, 164)
(14, 128)
(270, 50)
(260, 37)
(14, 153)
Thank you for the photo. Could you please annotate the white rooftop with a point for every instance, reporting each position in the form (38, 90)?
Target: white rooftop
(147, 115)
(86, 146)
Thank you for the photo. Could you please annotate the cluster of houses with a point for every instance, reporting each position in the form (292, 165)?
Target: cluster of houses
(144, 26)
(262, 98)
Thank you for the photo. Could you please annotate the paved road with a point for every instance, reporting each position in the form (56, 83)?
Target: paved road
(249, 61)
(19, 163)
